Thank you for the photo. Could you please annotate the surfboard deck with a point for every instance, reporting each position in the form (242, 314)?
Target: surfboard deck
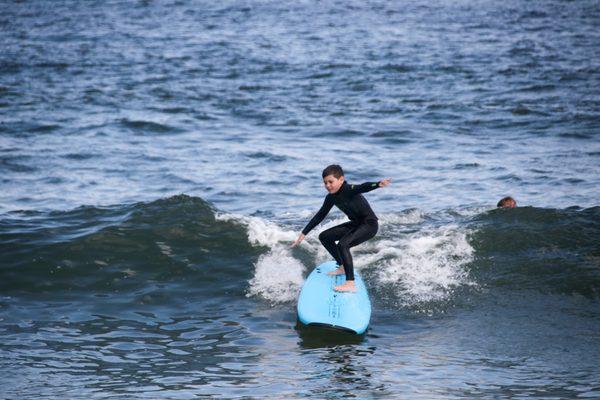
(320, 305)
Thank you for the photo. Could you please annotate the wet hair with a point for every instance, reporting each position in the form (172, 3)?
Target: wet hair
(506, 202)
(334, 170)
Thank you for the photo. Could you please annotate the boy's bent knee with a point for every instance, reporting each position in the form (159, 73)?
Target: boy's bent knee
(343, 244)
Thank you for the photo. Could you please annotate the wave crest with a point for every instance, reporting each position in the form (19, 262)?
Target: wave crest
(426, 266)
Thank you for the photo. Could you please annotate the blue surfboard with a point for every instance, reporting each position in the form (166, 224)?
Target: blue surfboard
(320, 305)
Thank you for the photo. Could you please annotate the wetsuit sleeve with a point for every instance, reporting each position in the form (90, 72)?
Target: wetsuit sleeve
(363, 187)
(322, 213)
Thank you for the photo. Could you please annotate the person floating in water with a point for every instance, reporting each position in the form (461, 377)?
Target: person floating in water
(362, 226)
(507, 202)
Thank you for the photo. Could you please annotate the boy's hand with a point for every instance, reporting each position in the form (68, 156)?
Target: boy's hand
(298, 241)
(385, 182)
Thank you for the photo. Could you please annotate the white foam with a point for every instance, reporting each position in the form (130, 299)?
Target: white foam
(277, 276)
(260, 232)
(410, 217)
(427, 265)
(265, 233)
(423, 266)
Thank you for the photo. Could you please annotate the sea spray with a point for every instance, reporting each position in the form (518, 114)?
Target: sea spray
(278, 276)
(427, 265)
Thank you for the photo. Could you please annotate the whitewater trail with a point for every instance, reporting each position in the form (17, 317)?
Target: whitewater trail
(422, 266)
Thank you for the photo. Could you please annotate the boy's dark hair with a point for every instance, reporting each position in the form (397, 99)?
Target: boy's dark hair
(334, 170)
(506, 202)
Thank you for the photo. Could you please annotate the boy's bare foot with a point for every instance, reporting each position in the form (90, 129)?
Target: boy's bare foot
(349, 286)
(338, 271)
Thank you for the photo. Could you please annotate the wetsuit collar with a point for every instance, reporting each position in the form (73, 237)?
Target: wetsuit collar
(344, 185)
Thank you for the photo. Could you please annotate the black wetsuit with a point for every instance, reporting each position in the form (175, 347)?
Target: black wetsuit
(361, 227)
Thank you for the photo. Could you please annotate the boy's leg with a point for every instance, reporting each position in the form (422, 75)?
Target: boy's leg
(355, 237)
(330, 236)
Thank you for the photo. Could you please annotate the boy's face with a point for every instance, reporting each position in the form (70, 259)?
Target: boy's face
(333, 184)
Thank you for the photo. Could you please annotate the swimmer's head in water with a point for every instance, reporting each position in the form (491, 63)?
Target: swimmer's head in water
(333, 178)
(507, 202)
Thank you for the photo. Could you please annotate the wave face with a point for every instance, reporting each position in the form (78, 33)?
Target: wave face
(166, 248)
(539, 249)
(182, 247)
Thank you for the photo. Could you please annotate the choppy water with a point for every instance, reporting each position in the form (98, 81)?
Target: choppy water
(156, 159)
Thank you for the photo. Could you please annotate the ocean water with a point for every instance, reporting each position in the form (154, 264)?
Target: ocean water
(157, 158)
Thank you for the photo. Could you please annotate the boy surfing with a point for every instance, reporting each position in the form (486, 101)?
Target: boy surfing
(362, 226)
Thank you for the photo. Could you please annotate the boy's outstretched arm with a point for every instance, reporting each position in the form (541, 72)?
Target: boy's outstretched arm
(316, 220)
(368, 186)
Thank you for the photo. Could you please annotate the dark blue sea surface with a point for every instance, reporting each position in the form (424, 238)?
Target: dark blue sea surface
(157, 158)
